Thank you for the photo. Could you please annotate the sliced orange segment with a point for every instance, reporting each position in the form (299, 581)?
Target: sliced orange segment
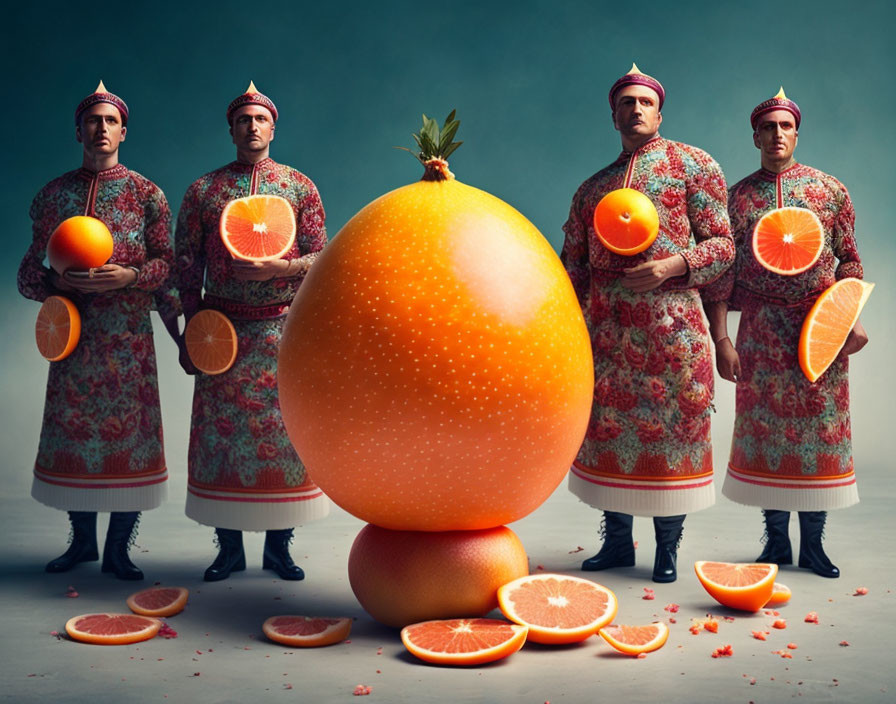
(780, 595)
(626, 221)
(58, 328)
(463, 641)
(307, 631)
(112, 629)
(828, 324)
(634, 640)
(158, 601)
(744, 586)
(788, 240)
(557, 608)
(258, 228)
(211, 341)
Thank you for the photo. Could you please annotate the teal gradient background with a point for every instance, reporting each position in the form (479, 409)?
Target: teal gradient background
(529, 80)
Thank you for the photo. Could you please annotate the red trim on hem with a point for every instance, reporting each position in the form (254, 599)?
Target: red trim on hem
(246, 499)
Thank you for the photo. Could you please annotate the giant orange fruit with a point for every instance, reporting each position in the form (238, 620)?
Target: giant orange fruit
(435, 371)
(403, 577)
(80, 242)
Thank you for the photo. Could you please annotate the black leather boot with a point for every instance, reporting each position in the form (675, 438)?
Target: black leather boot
(777, 541)
(668, 530)
(276, 555)
(618, 549)
(811, 553)
(231, 557)
(83, 545)
(119, 537)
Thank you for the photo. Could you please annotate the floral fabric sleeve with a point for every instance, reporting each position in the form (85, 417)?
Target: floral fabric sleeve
(843, 239)
(157, 274)
(34, 277)
(574, 254)
(707, 208)
(189, 250)
(311, 235)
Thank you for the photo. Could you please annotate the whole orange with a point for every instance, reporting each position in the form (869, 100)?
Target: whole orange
(435, 371)
(403, 577)
(626, 221)
(80, 242)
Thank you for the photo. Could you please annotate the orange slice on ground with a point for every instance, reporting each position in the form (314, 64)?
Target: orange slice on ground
(158, 601)
(634, 640)
(58, 328)
(744, 586)
(258, 228)
(557, 608)
(788, 240)
(462, 641)
(112, 629)
(828, 324)
(780, 595)
(211, 341)
(626, 221)
(307, 631)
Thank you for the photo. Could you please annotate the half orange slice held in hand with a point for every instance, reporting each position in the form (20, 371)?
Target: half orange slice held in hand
(307, 631)
(158, 601)
(557, 608)
(211, 341)
(112, 629)
(626, 221)
(634, 640)
(828, 324)
(463, 641)
(788, 240)
(58, 328)
(258, 228)
(744, 586)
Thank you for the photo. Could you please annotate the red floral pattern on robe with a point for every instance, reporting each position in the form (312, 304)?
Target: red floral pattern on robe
(652, 364)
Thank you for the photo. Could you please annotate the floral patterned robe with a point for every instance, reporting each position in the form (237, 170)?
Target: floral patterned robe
(244, 473)
(647, 450)
(792, 441)
(101, 440)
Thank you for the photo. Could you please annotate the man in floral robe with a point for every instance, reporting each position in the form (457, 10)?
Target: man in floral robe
(101, 441)
(647, 450)
(244, 472)
(791, 449)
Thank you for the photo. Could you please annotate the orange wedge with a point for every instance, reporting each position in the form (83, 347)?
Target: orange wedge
(112, 629)
(258, 228)
(58, 328)
(158, 601)
(463, 641)
(556, 608)
(828, 324)
(788, 240)
(780, 595)
(307, 631)
(634, 640)
(626, 221)
(744, 586)
(211, 341)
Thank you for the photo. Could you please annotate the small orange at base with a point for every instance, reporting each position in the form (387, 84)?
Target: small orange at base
(828, 324)
(258, 228)
(788, 240)
(58, 328)
(634, 640)
(743, 586)
(557, 608)
(158, 601)
(80, 242)
(307, 631)
(211, 342)
(112, 629)
(463, 641)
(626, 221)
(780, 595)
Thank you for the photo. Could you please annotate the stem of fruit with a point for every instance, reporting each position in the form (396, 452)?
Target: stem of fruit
(437, 170)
